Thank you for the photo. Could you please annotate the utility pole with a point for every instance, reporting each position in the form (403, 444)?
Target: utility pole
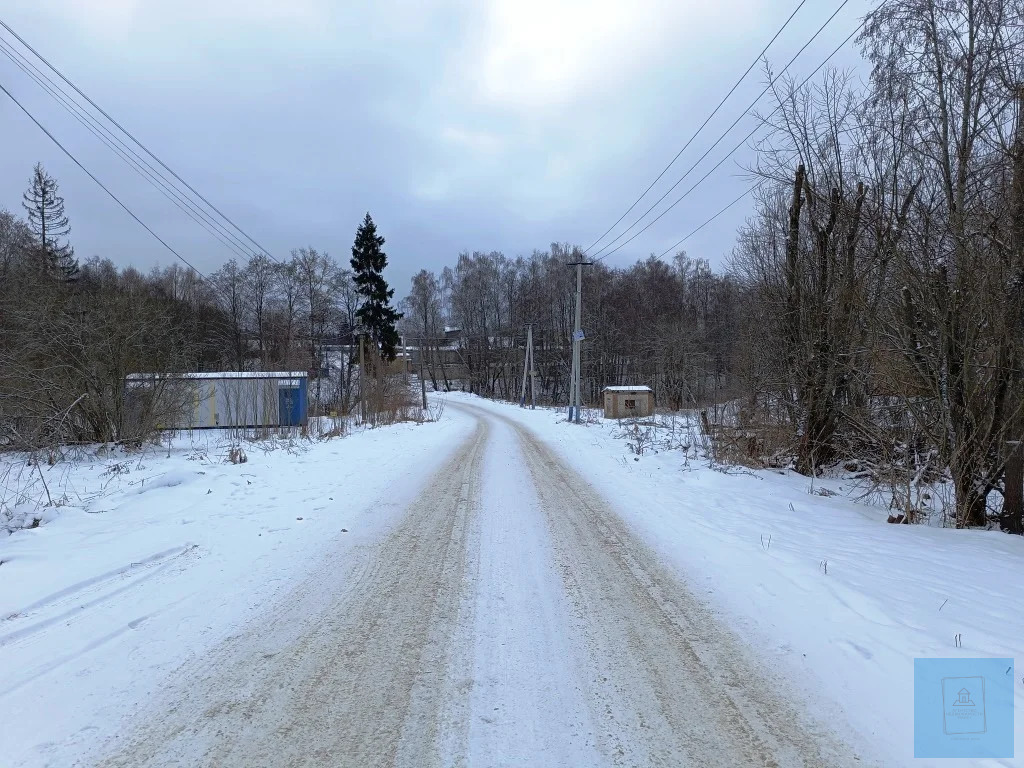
(529, 371)
(346, 357)
(1013, 476)
(526, 368)
(362, 379)
(575, 399)
(423, 383)
(533, 368)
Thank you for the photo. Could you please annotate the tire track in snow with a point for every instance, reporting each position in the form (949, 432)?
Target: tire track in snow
(384, 658)
(366, 674)
(108, 585)
(73, 591)
(528, 703)
(667, 684)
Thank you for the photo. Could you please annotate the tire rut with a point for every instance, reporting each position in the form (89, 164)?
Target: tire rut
(367, 681)
(668, 683)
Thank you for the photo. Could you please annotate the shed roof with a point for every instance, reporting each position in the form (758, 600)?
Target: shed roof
(220, 375)
(628, 389)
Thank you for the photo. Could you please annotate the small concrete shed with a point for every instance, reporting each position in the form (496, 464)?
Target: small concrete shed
(628, 402)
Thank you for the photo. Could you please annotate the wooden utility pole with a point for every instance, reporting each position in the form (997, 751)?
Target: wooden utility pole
(575, 398)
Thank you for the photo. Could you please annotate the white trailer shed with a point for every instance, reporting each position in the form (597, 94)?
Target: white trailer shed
(231, 398)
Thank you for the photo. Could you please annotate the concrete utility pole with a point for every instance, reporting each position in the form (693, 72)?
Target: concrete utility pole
(1013, 494)
(362, 379)
(533, 369)
(526, 368)
(1013, 476)
(423, 383)
(529, 371)
(575, 398)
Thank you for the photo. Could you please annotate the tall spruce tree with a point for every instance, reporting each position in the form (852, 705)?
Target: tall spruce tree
(46, 219)
(375, 312)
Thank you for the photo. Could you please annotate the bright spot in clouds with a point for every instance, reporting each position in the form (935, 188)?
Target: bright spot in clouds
(536, 52)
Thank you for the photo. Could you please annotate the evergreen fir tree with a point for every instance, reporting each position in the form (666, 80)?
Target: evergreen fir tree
(375, 312)
(46, 219)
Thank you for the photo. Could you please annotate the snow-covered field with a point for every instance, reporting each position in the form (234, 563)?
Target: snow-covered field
(821, 587)
(158, 559)
(167, 556)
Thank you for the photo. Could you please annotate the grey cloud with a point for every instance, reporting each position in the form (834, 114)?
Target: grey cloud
(448, 121)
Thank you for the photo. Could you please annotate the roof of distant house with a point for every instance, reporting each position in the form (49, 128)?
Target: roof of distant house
(628, 389)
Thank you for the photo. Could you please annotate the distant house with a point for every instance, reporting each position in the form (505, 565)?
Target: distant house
(224, 399)
(628, 402)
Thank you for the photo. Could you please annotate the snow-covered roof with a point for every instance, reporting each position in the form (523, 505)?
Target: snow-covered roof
(628, 389)
(220, 375)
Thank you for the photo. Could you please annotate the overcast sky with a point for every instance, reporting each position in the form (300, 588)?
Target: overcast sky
(478, 125)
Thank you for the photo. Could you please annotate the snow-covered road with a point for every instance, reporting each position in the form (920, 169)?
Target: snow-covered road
(508, 617)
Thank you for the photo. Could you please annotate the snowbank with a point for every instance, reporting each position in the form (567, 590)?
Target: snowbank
(158, 557)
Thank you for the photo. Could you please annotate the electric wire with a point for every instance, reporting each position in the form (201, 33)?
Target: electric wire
(137, 142)
(728, 130)
(101, 185)
(202, 276)
(184, 204)
(702, 126)
(728, 155)
(708, 221)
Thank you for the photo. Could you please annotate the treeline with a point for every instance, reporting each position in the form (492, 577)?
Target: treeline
(670, 326)
(873, 309)
(70, 333)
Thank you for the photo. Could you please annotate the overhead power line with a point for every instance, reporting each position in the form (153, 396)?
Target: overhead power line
(722, 137)
(213, 286)
(136, 141)
(708, 221)
(702, 126)
(729, 154)
(748, 192)
(125, 152)
(101, 185)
